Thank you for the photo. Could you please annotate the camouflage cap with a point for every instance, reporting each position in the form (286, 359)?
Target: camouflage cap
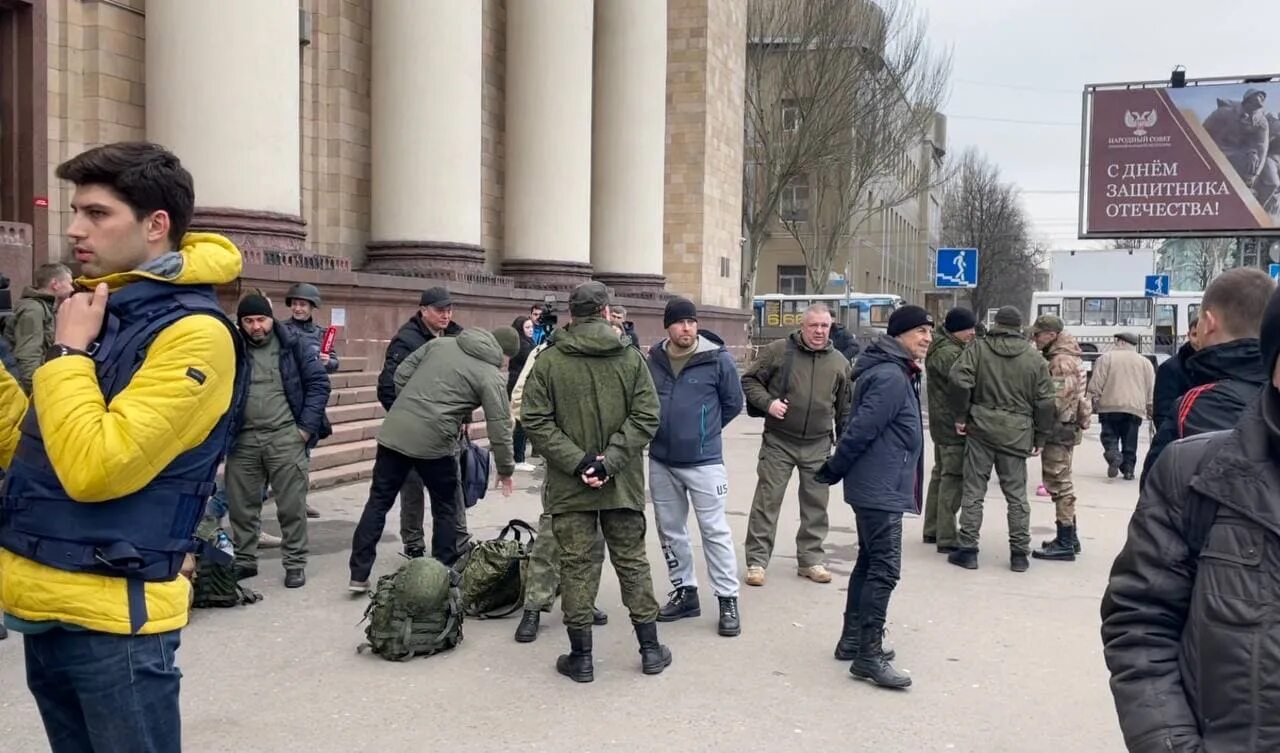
(1047, 323)
(588, 299)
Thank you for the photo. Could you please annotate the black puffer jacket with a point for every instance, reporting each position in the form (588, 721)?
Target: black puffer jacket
(1223, 380)
(413, 334)
(1190, 642)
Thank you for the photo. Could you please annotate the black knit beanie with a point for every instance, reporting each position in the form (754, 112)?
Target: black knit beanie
(906, 319)
(254, 305)
(959, 319)
(679, 309)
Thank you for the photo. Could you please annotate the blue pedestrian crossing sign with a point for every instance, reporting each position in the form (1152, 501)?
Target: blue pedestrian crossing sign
(1274, 271)
(957, 268)
(1156, 285)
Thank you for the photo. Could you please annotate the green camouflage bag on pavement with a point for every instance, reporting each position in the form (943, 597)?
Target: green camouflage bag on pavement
(214, 584)
(494, 572)
(415, 611)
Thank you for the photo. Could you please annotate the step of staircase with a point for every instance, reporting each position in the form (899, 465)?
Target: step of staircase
(344, 379)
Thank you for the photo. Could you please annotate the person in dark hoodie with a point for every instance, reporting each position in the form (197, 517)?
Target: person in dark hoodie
(1172, 381)
(434, 319)
(880, 458)
(1226, 373)
(1187, 618)
(844, 341)
(700, 392)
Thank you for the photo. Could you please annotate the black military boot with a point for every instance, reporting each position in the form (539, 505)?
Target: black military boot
(1055, 540)
(1018, 562)
(654, 657)
(295, 577)
(527, 630)
(683, 603)
(850, 640)
(415, 552)
(730, 623)
(576, 665)
(599, 616)
(872, 665)
(966, 558)
(4, 632)
(1075, 535)
(1060, 548)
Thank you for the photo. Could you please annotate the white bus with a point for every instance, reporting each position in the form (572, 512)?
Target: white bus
(778, 314)
(1095, 317)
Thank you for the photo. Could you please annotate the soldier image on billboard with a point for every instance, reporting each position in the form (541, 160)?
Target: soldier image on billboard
(1241, 131)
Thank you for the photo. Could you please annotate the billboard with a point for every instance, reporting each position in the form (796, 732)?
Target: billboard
(1203, 159)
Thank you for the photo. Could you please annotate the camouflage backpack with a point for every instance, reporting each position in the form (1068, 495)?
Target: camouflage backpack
(415, 611)
(214, 584)
(494, 572)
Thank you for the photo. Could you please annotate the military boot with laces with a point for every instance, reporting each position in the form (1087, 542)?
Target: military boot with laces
(730, 623)
(683, 603)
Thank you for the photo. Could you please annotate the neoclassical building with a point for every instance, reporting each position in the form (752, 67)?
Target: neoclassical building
(506, 148)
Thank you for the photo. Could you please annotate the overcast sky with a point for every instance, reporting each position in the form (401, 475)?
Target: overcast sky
(1028, 60)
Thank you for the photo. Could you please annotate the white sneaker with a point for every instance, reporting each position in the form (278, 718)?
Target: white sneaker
(267, 541)
(525, 467)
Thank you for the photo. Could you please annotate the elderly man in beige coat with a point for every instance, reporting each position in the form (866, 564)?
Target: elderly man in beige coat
(1121, 389)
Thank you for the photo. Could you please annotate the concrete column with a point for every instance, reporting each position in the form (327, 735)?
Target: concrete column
(628, 145)
(547, 216)
(427, 87)
(231, 113)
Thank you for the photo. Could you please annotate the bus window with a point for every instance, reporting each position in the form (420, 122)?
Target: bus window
(1049, 308)
(1071, 315)
(1193, 312)
(1099, 312)
(880, 314)
(1167, 316)
(1135, 312)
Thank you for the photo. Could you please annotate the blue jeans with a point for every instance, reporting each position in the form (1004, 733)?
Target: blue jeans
(104, 693)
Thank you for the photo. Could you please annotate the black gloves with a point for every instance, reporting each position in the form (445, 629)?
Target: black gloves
(587, 460)
(592, 466)
(825, 475)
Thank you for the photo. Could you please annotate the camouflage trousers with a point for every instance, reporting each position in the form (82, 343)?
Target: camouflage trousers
(542, 581)
(946, 487)
(1055, 462)
(979, 459)
(624, 533)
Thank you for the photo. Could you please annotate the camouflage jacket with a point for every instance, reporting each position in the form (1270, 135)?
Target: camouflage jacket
(1071, 405)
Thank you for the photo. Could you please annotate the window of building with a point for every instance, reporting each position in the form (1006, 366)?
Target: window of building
(1135, 312)
(792, 280)
(794, 206)
(1072, 315)
(1099, 312)
(790, 115)
(724, 266)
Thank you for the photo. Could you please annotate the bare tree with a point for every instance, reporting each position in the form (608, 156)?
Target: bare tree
(982, 211)
(1207, 258)
(838, 92)
(1136, 243)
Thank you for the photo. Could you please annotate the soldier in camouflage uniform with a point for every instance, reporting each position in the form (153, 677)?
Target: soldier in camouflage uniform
(947, 483)
(1073, 412)
(590, 408)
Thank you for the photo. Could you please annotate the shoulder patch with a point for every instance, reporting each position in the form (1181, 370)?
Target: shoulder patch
(196, 375)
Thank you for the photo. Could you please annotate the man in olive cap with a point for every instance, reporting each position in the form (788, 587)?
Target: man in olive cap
(1072, 413)
(1003, 402)
(590, 408)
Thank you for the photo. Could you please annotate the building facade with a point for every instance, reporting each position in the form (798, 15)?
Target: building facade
(507, 148)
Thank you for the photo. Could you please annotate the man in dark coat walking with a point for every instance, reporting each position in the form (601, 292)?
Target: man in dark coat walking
(1187, 626)
(880, 459)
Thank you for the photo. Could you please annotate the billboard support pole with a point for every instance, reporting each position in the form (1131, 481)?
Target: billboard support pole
(1084, 159)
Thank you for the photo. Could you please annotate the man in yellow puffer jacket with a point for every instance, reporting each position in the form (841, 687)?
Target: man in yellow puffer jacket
(109, 464)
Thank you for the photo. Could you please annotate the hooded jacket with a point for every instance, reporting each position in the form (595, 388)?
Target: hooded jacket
(844, 341)
(1072, 409)
(104, 452)
(313, 335)
(695, 406)
(1225, 379)
(587, 395)
(1189, 636)
(30, 330)
(880, 453)
(1123, 381)
(1002, 392)
(817, 393)
(440, 385)
(413, 334)
(944, 351)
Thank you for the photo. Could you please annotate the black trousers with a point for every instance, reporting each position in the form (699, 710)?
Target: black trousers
(390, 468)
(879, 565)
(1120, 439)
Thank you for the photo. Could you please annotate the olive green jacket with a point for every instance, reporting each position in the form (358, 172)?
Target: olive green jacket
(1002, 392)
(943, 354)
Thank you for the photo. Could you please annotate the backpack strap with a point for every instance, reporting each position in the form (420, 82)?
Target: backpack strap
(1188, 402)
(515, 526)
(788, 363)
(1199, 511)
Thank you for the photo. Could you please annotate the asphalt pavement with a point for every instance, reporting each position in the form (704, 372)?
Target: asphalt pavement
(1001, 661)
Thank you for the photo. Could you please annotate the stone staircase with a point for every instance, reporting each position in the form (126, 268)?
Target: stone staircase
(346, 456)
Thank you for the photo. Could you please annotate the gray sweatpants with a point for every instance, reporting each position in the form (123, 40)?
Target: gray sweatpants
(706, 487)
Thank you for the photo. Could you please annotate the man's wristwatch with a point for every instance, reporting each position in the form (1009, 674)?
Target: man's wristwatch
(58, 350)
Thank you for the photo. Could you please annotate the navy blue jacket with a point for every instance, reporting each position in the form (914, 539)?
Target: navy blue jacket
(696, 406)
(6, 357)
(306, 385)
(880, 454)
